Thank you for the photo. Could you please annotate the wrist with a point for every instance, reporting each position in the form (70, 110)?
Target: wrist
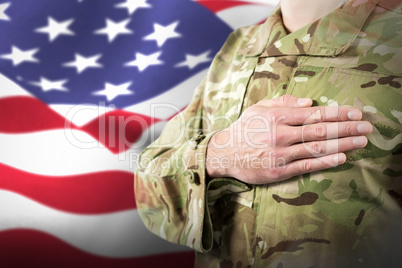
(217, 163)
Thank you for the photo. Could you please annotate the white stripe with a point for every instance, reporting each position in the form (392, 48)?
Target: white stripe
(8, 88)
(171, 102)
(240, 16)
(68, 152)
(80, 114)
(119, 234)
(162, 106)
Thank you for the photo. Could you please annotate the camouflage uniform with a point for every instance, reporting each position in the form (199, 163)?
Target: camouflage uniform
(348, 216)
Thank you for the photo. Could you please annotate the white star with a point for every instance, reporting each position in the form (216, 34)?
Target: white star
(112, 91)
(144, 61)
(193, 60)
(3, 8)
(55, 28)
(48, 85)
(163, 33)
(113, 29)
(82, 63)
(18, 56)
(133, 5)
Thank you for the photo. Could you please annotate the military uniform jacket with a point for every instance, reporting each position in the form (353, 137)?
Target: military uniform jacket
(348, 216)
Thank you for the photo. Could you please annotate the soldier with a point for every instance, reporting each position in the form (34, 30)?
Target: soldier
(269, 165)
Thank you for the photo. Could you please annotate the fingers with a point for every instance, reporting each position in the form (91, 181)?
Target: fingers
(297, 111)
(319, 114)
(310, 165)
(325, 131)
(317, 149)
(312, 115)
(286, 101)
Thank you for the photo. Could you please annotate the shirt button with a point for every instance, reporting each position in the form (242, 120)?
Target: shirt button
(262, 245)
(191, 176)
(193, 144)
(194, 141)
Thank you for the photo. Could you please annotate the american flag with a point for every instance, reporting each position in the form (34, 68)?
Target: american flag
(85, 85)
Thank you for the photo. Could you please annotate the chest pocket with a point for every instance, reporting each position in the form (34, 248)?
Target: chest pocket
(368, 186)
(224, 99)
(379, 97)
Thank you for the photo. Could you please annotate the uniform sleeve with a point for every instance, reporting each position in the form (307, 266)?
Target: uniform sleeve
(172, 192)
(170, 179)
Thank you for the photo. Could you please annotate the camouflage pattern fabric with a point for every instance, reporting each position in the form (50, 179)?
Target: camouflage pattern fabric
(348, 216)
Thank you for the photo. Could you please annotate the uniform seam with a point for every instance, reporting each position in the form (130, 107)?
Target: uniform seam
(247, 87)
(381, 4)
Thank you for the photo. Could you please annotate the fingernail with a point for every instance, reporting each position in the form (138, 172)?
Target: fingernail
(303, 101)
(360, 141)
(354, 115)
(339, 158)
(364, 128)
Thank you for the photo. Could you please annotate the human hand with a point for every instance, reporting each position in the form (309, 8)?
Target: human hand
(277, 139)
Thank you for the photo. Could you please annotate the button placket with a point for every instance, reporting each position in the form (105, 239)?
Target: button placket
(194, 141)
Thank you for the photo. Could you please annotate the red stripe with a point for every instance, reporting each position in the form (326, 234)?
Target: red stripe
(219, 5)
(26, 114)
(100, 192)
(117, 130)
(28, 248)
(182, 109)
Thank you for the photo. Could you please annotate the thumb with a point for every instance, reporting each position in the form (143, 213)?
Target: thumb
(287, 101)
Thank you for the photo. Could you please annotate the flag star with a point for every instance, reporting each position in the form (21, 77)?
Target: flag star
(48, 85)
(3, 8)
(55, 28)
(113, 29)
(163, 33)
(18, 56)
(193, 60)
(144, 61)
(112, 91)
(82, 63)
(133, 5)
